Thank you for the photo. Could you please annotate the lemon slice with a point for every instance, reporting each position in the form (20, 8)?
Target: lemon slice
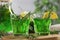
(45, 15)
(23, 14)
(53, 15)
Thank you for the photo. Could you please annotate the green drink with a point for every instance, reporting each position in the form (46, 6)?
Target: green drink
(42, 26)
(21, 26)
(5, 23)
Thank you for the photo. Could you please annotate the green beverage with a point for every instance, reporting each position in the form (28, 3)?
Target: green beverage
(20, 26)
(42, 26)
(5, 23)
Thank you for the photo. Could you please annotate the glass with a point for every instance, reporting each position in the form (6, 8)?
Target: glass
(5, 23)
(20, 26)
(42, 26)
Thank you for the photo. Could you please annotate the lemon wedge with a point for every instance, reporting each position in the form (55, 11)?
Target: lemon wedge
(46, 14)
(23, 14)
(53, 15)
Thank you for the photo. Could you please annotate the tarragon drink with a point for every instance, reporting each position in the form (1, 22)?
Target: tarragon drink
(42, 26)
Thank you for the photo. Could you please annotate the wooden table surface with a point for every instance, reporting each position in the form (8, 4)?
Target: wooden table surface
(48, 37)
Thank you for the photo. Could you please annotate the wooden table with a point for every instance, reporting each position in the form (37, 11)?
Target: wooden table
(48, 37)
(13, 38)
